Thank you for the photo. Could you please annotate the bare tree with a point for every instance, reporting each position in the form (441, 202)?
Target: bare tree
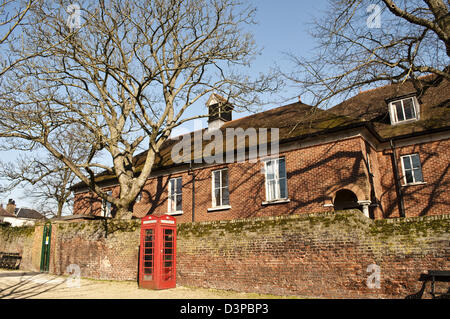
(43, 178)
(12, 18)
(364, 42)
(126, 74)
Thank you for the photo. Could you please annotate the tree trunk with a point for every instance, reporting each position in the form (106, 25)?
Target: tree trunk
(124, 213)
(60, 208)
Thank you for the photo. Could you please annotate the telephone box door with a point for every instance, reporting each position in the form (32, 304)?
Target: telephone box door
(168, 252)
(147, 275)
(158, 252)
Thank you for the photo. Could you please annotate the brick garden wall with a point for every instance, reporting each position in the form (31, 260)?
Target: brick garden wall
(21, 240)
(322, 255)
(318, 255)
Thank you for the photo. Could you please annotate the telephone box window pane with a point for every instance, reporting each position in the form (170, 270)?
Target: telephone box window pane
(168, 244)
(168, 255)
(148, 234)
(147, 271)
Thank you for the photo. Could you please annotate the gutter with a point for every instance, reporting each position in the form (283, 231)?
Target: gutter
(191, 172)
(398, 186)
(368, 125)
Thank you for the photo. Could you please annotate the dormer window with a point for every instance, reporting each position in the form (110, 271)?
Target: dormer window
(404, 110)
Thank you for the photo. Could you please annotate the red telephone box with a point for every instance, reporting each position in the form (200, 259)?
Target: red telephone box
(158, 252)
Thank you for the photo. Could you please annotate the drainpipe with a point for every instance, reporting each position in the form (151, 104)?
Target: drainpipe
(397, 180)
(191, 172)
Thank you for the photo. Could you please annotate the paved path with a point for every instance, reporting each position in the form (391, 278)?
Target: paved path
(19, 284)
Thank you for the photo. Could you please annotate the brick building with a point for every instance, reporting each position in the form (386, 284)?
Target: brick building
(384, 151)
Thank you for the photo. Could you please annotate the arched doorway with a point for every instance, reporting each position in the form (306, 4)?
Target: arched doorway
(345, 199)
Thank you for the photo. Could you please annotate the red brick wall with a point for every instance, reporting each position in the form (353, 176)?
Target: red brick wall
(321, 255)
(102, 251)
(314, 175)
(431, 198)
(317, 255)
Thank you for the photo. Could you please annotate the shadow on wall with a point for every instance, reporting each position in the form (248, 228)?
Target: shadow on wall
(424, 197)
(308, 187)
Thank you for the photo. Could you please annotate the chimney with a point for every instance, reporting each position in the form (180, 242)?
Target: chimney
(219, 111)
(11, 207)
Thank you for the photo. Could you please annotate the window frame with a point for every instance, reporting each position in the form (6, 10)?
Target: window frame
(169, 197)
(138, 197)
(221, 187)
(279, 198)
(393, 110)
(411, 169)
(105, 204)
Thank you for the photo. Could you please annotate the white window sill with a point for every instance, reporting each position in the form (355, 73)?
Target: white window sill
(276, 201)
(414, 184)
(213, 209)
(178, 212)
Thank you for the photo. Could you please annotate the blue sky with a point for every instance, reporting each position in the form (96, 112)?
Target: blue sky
(282, 27)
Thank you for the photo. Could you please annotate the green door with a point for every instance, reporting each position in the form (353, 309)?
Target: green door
(45, 254)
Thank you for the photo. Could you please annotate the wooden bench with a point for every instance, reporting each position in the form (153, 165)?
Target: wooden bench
(433, 276)
(441, 276)
(10, 260)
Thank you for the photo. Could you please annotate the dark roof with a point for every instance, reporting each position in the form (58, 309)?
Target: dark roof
(372, 106)
(5, 213)
(28, 213)
(298, 120)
